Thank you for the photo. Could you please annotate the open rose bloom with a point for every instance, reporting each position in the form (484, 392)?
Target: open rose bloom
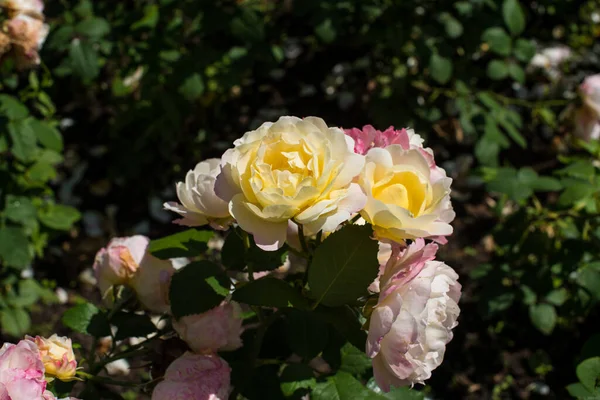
(195, 377)
(414, 317)
(23, 375)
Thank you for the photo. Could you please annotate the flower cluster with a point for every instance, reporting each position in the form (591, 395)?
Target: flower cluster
(23, 33)
(301, 174)
(27, 367)
(128, 262)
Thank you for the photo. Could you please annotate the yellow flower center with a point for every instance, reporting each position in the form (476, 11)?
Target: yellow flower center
(404, 189)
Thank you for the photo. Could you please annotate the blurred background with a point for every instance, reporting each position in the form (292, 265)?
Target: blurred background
(130, 95)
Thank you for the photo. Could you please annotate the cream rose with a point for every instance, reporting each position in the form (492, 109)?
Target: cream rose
(199, 203)
(408, 196)
(293, 169)
(57, 355)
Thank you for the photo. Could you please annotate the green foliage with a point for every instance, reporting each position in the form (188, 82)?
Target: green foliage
(87, 318)
(183, 244)
(343, 266)
(269, 292)
(197, 288)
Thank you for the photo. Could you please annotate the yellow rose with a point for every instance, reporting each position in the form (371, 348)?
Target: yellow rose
(293, 169)
(408, 196)
(57, 355)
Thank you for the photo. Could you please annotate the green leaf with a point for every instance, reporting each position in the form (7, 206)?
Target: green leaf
(19, 209)
(94, 28)
(454, 28)
(150, 18)
(87, 318)
(306, 333)
(193, 87)
(497, 70)
(233, 253)
(344, 265)
(24, 143)
(59, 217)
(12, 108)
(543, 317)
(513, 132)
(546, 184)
(516, 72)
(583, 169)
(575, 193)
(40, 172)
(296, 377)
(400, 393)
(188, 243)
(343, 386)
(524, 50)
(132, 325)
(28, 293)
(589, 278)
(326, 31)
(269, 292)
(514, 17)
(84, 60)
(248, 26)
(579, 391)
(498, 40)
(557, 296)
(345, 321)
(48, 136)
(354, 361)
(14, 321)
(588, 372)
(197, 288)
(14, 248)
(441, 68)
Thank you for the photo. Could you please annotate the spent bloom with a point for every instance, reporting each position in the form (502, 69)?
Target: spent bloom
(217, 329)
(56, 353)
(127, 261)
(293, 169)
(199, 203)
(408, 196)
(587, 117)
(195, 377)
(413, 319)
(21, 371)
(24, 33)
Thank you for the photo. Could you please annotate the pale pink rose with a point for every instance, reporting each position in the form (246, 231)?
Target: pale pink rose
(126, 261)
(195, 377)
(27, 35)
(57, 355)
(199, 203)
(216, 329)
(21, 372)
(48, 395)
(414, 317)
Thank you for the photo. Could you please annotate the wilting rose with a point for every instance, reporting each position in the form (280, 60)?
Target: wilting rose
(57, 355)
(199, 203)
(413, 319)
(408, 196)
(195, 377)
(298, 169)
(27, 36)
(216, 329)
(587, 124)
(21, 371)
(126, 261)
